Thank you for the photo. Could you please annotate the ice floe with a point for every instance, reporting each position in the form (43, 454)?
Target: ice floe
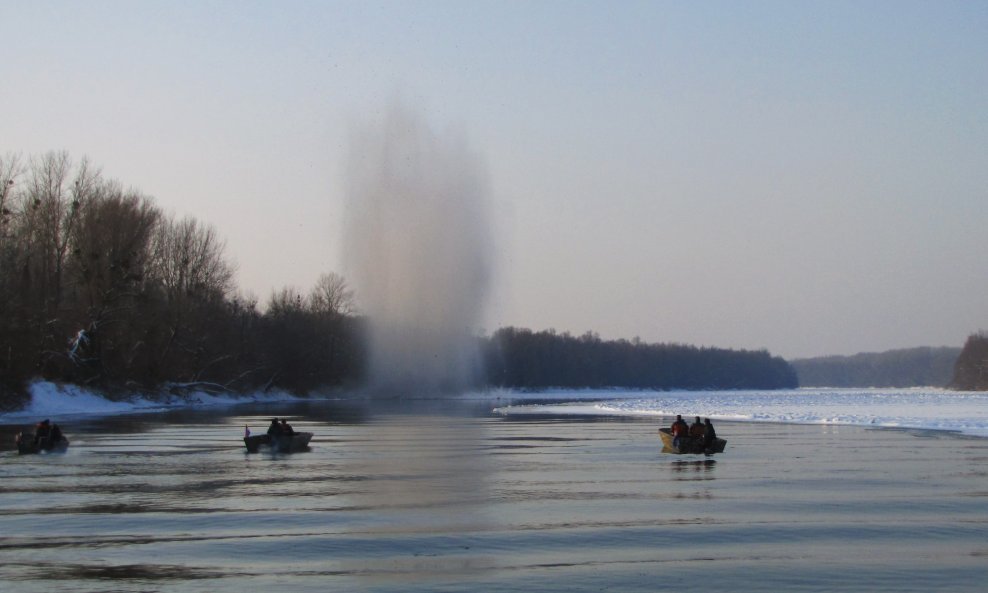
(925, 408)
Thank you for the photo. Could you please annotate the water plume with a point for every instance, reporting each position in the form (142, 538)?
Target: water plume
(417, 247)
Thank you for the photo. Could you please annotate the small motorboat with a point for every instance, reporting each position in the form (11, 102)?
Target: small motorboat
(27, 444)
(690, 444)
(279, 443)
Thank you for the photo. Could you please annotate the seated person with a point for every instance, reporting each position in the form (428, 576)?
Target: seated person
(679, 429)
(709, 434)
(42, 432)
(274, 429)
(286, 428)
(696, 429)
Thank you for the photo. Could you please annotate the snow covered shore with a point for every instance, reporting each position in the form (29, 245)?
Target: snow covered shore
(55, 400)
(922, 408)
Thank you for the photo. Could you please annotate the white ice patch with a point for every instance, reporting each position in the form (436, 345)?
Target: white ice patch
(924, 408)
(51, 400)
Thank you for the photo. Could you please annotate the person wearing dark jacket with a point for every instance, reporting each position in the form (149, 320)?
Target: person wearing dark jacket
(697, 428)
(42, 433)
(275, 428)
(709, 434)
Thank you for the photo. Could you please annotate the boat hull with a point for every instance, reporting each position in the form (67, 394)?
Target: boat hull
(283, 443)
(27, 446)
(690, 445)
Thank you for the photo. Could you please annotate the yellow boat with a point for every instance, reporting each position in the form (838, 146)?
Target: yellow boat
(690, 444)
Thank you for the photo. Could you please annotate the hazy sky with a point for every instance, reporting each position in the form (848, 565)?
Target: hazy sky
(806, 177)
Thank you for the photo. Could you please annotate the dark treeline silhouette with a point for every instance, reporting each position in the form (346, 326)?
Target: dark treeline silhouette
(99, 287)
(971, 370)
(521, 358)
(910, 367)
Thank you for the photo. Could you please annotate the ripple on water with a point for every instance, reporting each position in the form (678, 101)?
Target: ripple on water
(425, 502)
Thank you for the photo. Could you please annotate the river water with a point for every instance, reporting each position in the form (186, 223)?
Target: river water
(440, 496)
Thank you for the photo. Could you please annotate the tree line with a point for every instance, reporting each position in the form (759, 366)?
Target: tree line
(971, 369)
(522, 358)
(909, 367)
(99, 287)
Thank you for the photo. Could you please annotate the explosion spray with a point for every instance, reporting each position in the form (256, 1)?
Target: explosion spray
(418, 250)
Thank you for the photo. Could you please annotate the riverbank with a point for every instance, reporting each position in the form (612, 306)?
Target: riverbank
(919, 408)
(46, 399)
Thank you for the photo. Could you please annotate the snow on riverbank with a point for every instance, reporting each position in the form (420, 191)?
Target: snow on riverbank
(925, 408)
(57, 401)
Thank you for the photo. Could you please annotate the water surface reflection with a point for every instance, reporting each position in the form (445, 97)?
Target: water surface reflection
(424, 496)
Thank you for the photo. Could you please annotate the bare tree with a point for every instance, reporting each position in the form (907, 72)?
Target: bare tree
(10, 170)
(331, 297)
(46, 217)
(287, 301)
(188, 260)
(10, 341)
(112, 245)
(48, 209)
(108, 270)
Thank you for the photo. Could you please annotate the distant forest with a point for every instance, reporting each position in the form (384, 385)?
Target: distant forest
(521, 358)
(99, 287)
(971, 370)
(912, 367)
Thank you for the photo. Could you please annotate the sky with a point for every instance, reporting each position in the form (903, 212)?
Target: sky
(804, 177)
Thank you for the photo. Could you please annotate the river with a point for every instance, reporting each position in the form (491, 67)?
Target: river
(452, 496)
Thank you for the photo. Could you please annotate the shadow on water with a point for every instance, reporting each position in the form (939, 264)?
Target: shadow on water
(698, 470)
(700, 465)
(130, 572)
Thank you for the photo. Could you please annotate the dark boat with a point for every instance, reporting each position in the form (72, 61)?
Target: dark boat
(27, 445)
(690, 444)
(281, 443)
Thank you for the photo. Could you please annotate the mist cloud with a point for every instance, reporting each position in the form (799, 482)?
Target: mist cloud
(418, 250)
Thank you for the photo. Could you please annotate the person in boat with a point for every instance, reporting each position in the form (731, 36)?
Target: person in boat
(56, 434)
(709, 434)
(42, 432)
(275, 428)
(679, 429)
(286, 428)
(697, 428)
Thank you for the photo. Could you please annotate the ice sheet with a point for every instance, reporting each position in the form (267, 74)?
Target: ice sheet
(926, 408)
